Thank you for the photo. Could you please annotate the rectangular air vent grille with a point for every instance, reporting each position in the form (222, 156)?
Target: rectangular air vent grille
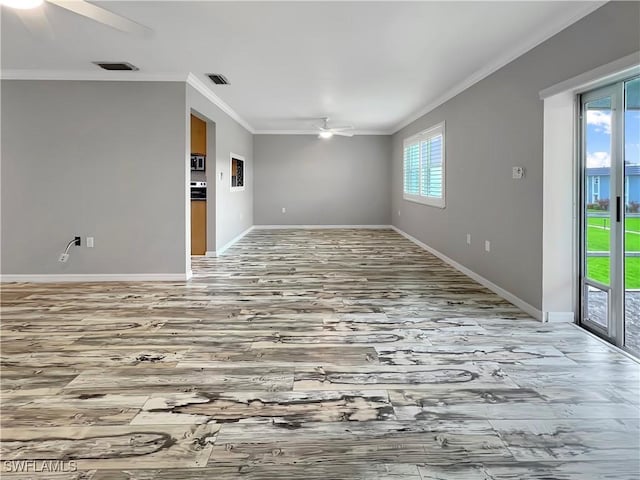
(218, 79)
(116, 66)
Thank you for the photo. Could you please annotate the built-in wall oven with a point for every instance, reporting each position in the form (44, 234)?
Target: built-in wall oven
(198, 190)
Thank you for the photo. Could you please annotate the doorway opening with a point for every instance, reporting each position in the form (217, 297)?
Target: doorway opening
(202, 148)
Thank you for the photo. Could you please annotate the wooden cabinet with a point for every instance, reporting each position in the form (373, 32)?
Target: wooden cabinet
(198, 227)
(198, 136)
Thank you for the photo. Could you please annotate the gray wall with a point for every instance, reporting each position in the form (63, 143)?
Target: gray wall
(232, 212)
(103, 159)
(340, 181)
(492, 126)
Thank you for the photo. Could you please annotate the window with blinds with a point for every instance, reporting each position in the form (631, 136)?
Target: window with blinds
(424, 167)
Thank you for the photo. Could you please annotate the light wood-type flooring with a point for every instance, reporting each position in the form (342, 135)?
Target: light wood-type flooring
(308, 354)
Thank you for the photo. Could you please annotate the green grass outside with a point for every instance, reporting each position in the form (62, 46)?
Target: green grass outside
(598, 237)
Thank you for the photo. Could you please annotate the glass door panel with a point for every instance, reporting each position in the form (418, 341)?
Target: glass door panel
(597, 208)
(632, 215)
(596, 305)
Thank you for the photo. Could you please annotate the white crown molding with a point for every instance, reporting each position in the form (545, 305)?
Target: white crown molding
(517, 51)
(200, 86)
(100, 277)
(315, 132)
(137, 76)
(508, 296)
(97, 76)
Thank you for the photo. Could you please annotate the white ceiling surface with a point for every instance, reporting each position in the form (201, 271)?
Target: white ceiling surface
(375, 65)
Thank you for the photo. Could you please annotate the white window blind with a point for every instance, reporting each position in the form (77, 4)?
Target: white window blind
(412, 169)
(424, 167)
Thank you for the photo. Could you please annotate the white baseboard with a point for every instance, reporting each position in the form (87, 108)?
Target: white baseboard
(229, 244)
(508, 296)
(314, 227)
(97, 277)
(560, 317)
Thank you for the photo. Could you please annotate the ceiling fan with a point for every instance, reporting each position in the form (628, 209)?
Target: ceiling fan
(325, 131)
(35, 20)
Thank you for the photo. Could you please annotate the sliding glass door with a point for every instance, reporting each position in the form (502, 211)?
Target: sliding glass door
(610, 216)
(631, 225)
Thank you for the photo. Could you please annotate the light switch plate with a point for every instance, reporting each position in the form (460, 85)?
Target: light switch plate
(518, 172)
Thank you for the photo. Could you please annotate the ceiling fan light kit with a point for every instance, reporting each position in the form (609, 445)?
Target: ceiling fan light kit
(22, 4)
(326, 132)
(37, 23)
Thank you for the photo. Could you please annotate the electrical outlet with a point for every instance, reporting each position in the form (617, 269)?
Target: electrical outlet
(63, 257)
(284, 210)
(487, 246)
(89, 242)
(77, 241)
(399, 213)
(468, 239)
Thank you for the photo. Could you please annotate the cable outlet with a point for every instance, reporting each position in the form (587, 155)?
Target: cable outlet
(77, 241)
(63, 257)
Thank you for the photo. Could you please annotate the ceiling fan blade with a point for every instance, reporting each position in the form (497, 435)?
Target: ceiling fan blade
(35, 20)
(103, 16)
(342, 128)
(343, 134)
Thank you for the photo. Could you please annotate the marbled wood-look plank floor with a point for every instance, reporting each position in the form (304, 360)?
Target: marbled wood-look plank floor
(309, 354)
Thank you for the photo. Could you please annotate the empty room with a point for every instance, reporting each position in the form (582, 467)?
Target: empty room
(320, 240)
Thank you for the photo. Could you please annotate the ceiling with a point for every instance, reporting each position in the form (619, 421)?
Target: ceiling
(375, 65)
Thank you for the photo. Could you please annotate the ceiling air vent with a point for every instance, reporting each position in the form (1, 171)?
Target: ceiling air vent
(116, 66)
(218, 79)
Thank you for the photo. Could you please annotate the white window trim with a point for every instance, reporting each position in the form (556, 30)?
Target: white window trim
(244, 178)
(424, 200)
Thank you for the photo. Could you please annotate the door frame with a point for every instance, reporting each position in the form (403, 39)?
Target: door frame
(615, 330)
